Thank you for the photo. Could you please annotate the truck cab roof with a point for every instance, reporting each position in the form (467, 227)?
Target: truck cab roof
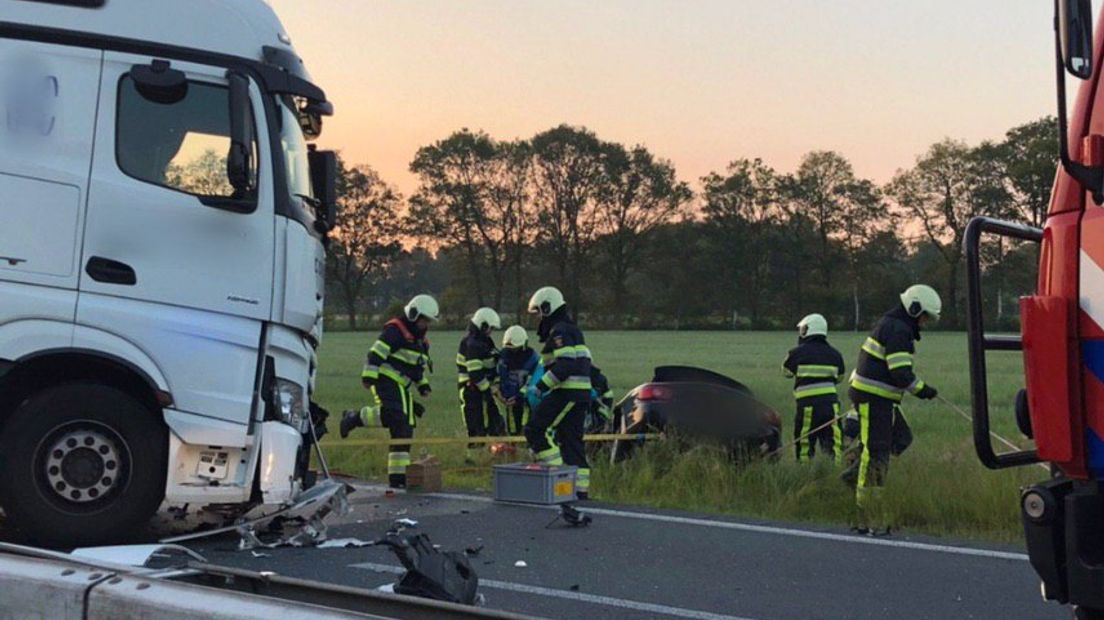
(242, 28)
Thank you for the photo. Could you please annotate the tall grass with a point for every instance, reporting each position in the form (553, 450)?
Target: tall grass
(936, 487)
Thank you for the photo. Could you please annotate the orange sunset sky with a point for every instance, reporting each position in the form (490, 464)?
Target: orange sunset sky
(698, 82)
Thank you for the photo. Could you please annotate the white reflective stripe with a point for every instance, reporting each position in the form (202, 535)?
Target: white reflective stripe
(818, 373)
(1092, 288)
(874, 346)
(749, 527)
(645, 609)
(389, 370)
(878, 384)
(814, 386)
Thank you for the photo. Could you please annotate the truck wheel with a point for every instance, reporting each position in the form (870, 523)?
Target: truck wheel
(83, 464)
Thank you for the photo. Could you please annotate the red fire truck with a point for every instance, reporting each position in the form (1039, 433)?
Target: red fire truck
(1062, 340)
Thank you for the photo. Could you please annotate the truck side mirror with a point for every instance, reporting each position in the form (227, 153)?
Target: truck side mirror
(239, 164)
(323, 175)
(1075, 32)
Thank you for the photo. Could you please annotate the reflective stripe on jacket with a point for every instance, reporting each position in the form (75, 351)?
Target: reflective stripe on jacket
(885, 366)
(398, 354)
(816, 367)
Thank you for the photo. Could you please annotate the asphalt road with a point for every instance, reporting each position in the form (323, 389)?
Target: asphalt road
(632, 563)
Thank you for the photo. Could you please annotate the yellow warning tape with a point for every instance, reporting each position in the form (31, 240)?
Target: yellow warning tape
(439, 441)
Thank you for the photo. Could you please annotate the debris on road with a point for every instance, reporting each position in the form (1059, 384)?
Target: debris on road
(298, 524)
(520, 564)
(345, 543)
(433, 574)
(472, 552)
(407, 522)
(570, 515)
(258, 554)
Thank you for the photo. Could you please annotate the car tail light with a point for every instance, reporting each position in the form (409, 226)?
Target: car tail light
(773, 418)
(654, 392)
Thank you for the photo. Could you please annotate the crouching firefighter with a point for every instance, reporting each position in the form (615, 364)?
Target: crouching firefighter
(397, 362)
(816, 367)
(555, 429)
(476, 362)
(516, 364)
(883, 375)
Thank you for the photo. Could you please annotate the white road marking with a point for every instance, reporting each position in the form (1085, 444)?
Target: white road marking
(581, 597)
(750, 527)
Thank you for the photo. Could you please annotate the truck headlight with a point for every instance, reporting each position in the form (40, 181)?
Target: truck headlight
(290, 404)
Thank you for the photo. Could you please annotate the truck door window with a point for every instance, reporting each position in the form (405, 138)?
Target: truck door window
(181, 145)
(294, 147)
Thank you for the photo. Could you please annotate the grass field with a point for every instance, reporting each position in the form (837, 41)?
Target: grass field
(937, 487)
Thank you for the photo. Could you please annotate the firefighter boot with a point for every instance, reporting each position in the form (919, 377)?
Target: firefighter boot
(349, 420)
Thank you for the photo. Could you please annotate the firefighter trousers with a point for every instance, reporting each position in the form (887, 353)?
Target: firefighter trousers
(517, 415)
(481, 415)
(883, 432)
(812, 414)
(397, 416)
(555, 434)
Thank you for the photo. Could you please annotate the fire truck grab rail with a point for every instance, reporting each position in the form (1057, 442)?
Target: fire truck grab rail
(980, 343)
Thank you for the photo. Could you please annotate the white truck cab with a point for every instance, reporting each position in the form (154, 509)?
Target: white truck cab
(162, 231)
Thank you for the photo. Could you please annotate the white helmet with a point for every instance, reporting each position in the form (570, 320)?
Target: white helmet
(922, 299)
(812, 325)
(486, 317)
(422, 305)
(546, 300)
(515, 337)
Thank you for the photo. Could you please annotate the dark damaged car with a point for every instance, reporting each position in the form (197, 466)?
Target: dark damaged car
(696, 405)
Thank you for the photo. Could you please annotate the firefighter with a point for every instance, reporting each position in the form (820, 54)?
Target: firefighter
(563, 391)
(516, 363)
(883, 375)
(816, 368)
(398, 360)
(476, 362)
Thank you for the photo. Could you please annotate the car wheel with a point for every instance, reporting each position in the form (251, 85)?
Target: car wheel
(84, 464)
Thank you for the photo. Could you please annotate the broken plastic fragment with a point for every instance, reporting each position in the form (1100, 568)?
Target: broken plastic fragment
(407, 522)
(258, 554)
(520, 564)
(345, 543)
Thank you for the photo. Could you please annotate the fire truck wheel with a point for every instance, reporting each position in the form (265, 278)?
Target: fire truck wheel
(83, 464)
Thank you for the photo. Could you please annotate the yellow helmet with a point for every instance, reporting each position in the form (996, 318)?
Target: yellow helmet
(546, 300)
(486, 317)
(515, 337)
(422, 306)
(922, 299)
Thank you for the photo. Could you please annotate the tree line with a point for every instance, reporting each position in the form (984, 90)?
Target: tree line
(634, 246)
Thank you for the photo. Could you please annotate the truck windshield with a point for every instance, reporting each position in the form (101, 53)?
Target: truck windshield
(294, 146)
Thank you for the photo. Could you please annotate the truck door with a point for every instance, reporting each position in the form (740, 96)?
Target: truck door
(175, 261)
(48, 97)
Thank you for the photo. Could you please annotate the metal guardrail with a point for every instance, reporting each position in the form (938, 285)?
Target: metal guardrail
(43, 584)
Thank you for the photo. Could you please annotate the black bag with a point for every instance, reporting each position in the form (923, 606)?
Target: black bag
(432, 574)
